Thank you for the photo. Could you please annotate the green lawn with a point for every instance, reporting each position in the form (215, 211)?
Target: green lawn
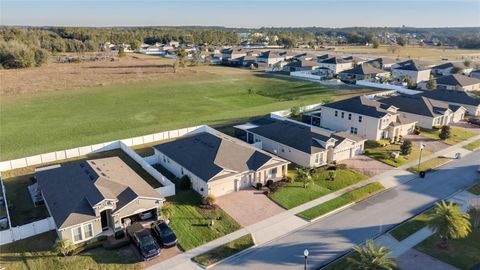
(35, 253)
(475, 189)
(461, 253)
(349, 197)
(429, 164)
(457, 135)
(293, 194)
(383, 153)
(43, 122)
(411, 226)
(473, 145)
(190, 222)
(225, 251)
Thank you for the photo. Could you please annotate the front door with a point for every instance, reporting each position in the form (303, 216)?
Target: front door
(104, 219)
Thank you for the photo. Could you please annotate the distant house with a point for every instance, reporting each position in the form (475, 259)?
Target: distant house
(458, 98)
(382, 63)
(336, 65)
(362, 72)
(414, 70)
(446, 69)
(322, 57)
(272, 57)
(426, 112)
(218, 164)
(475, 74)
(301, 65)
(86, 198)
(301, 143)
(355, 60)
(305, 56)
(364, 117)
(233, 53)
(458, 82)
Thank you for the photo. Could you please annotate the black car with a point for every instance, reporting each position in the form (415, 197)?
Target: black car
(146, 244)
(166, 237)
(474, 121)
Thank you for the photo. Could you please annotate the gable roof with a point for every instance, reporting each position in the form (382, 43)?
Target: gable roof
(302, 63)
(457, 79)
(72, 189)
(450, 65)
(364, 69)
(272, 54)
(419, 105)
(382, 61)
(335, 60)
(206, 154)
(409, 65)
(454, 96)
(360, 105)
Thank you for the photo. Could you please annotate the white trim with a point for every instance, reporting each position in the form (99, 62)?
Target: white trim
(82, 232)
(148, 198)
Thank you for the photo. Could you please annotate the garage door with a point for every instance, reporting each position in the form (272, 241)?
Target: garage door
(219, 189)
(244, 182)
(341, 155)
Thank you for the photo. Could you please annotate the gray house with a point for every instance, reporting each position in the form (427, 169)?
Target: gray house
(458, 98)
(362, 72)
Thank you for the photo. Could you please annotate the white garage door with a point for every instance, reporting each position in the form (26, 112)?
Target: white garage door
(343, 154)
(244, 183)
(219, 189)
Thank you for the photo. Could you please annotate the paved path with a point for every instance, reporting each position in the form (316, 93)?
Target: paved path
(416, 260)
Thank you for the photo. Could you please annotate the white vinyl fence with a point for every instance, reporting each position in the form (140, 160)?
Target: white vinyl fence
(27, 230)
(397, 88)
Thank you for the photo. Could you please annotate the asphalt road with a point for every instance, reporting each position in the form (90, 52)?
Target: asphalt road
(331, 237)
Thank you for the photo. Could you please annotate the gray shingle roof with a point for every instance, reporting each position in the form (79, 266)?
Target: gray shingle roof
(454, 96)
(303, 63)
(420, 105)
(335, 60)
(457, 79)
(382, 61)
(450, 65)
(360, 105)
(206, 154)
(364, 69)
(72, 189)
(409, 65)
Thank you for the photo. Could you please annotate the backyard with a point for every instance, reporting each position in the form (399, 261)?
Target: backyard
(457, 135)
(34, 123)
(190, 222)
(382, 153)
(293, 194)
(36, 253)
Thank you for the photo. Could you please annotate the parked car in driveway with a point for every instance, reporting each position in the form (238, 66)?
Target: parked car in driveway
(474, 121)
(166, 237)
(145, 242)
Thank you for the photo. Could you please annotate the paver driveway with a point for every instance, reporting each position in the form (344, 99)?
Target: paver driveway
(248, 206)
(366, 165)
(430, 145)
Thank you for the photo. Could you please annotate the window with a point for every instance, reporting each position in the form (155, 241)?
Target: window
(88, 231)
(317, 158)
(360, 119)
(343, 115)
(77, 234)
(349, 116)
(336, 113)
(353, 130)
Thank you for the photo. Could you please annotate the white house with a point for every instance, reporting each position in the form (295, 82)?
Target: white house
(458, 98)
(411, 69)
(335, 64)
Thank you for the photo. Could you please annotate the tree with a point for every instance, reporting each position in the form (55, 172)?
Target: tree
(181, 56)
(402, 41)
(209, 200)
(196, 59)
(332, 174)
(406, 147)
(375, 43)
(431, 84)
(63, 247)
(41, 56)
(121, 52)
(444, 133)
(295, 111)
(304, 175)
(175, 66)
(467, 63)
(371, 257)
(449, 222)
(474, 212)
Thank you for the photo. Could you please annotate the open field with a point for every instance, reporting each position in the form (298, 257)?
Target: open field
(425, 53)
(36, 253)
(55, 120)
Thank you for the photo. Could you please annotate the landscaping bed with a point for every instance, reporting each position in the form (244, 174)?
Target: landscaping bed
(294, 194)
(473, 145)
(383, 153)
(410, 227)
(342, 200)
(457, 135)
(429, 164)
(225, 251)
(190, 222)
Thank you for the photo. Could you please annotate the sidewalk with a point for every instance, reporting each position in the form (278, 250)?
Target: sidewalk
(287, 221)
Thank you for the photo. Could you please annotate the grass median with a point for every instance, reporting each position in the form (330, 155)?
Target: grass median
(342, 200)
(429, 164)
(410, 227)
(225, 251)
(473, 145)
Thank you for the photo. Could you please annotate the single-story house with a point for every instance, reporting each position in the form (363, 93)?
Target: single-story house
(86, 198)
(458, 82)
(301, 143)
(426, 112)
(412, 69)
(300, 66)
(446, 69)
(362, 72)
(218, 164)
(336, 65)
(458, 98)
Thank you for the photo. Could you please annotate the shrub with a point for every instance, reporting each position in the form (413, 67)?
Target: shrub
(259, 185)
(295, 111)
(445, 133)
(406, 147)
(417, 131)
(269, 183)
(185, 182)
(14, 54)
(331, 175)
(41, 57)
(209, 200)
(63, 247)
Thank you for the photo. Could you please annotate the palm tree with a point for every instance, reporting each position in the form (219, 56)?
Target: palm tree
(304, 175)
(449, 222)
(371, 257)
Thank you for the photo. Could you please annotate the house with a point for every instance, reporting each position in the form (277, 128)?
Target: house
(336, 65)
(446, 69)
(272, 57)
(302, 144)
(364, 117)
(301, 65)
(382, 63)
(362, 72)
(322, 57)
(218, 164)
(305, 56)
(355, 60)
(233, 53)
(458, 98)
(475, 74)
(426, 112)
(458, 82)
(411, 69)
(86, 198)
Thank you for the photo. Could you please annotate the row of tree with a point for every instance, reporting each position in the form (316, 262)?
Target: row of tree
(14, 54)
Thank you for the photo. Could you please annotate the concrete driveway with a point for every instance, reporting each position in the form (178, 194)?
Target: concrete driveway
(366, 165)
(430, 145)
(248, 206)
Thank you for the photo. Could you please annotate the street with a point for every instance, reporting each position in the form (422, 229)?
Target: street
(332, 236)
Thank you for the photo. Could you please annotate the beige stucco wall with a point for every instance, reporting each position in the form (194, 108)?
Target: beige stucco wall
(66, 234)
(416, 76)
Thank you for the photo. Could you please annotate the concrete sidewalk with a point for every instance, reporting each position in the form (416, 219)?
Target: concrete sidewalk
(287, 222)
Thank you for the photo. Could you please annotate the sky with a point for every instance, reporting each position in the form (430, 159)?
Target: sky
(246, 13)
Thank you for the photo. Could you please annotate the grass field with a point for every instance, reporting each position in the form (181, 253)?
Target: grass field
(429, 164)
(473, 145)
(383, 153)
(457, 135)
(35, 253)
(190, 222)
(293, 194)
(412, 226)
(43, 122)
(225, 251)
(349, 197)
